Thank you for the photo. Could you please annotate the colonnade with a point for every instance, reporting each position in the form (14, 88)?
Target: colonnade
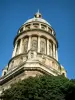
(49, 51)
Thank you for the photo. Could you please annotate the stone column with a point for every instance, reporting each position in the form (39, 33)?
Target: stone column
(39, 25)
(20, 49)
(53, 50)
(29, 43)
(56, 54)
(39, 44)
(47, 28)
(47, 47)
(14, 51)
(52, 32)
(19, 31)
(23, 28)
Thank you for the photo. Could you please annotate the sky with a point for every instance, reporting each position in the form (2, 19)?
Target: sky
(59, 13)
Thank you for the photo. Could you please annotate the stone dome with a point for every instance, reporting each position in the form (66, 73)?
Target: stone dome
(38, 18)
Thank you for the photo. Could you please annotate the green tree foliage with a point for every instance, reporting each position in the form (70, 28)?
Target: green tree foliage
(42, 88)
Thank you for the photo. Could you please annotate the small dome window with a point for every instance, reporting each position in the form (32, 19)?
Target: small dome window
(21, 30)
(43, 26)
(36, 25)
(27, 26)
(53, 33)
(49, 30)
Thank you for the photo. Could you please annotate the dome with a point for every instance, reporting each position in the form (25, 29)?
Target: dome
(37, 17)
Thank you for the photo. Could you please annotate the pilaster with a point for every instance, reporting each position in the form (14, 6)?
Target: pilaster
(39, 44)
(47, 47)
(20, 49)
(53, 50)
(29, 43)
(56, 54)
(14, 51)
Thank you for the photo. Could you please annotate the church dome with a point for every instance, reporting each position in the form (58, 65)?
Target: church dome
(38, 18)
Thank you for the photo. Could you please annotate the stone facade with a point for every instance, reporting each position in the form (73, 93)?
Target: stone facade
(35, 53)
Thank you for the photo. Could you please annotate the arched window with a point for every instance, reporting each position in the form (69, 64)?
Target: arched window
(43, 46)
(25, 44)
(34, 43)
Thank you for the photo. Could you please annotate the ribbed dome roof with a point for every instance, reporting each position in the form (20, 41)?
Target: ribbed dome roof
(37, 17)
